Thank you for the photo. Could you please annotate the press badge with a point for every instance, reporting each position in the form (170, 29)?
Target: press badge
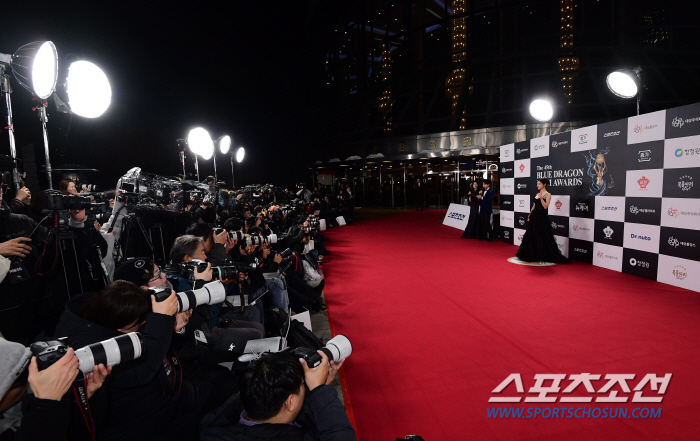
(199, 336)
(17, 273)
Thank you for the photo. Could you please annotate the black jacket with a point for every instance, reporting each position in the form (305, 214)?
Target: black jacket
(142, 402)
(322, 418)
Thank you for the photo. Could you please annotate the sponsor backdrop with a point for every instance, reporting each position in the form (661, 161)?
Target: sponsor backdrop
(624, 193)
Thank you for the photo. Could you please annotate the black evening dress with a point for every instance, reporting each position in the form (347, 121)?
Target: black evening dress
(470, 230)
(538, 243)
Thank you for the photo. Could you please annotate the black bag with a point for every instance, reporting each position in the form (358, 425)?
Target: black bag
(275, 321)
(300, 337)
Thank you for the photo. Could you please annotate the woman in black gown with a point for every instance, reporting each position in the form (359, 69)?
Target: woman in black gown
(470, 231)
(538, 243)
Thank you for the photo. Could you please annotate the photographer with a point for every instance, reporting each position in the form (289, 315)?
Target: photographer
(67, 187)
(44, 412)
(147, 397)
(216, 246)
(90, 248)
(282, 398)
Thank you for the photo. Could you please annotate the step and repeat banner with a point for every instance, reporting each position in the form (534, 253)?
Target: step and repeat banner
(623, 193)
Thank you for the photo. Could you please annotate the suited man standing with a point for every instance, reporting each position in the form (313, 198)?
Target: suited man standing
(420, 195)
(485, 232)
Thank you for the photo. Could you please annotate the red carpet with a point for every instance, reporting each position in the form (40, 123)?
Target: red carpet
(438, 322)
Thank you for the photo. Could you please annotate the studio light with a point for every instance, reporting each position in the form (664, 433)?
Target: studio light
(240, 154)
(200, 143)
(224, 144)
(541, 110)
(626, 83)
(35, 67)
(88, 89)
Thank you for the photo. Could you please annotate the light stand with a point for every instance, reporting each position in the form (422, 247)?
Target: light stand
(232, 181)
(6, 90)
(216, 177)
(44, 118)
(196, 166)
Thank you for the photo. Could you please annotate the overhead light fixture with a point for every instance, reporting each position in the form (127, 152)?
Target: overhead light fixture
(88, 89)
(541, 110)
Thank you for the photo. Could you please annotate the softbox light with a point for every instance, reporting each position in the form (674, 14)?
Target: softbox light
(200, 143)
(35, 67)
(240, 154)
(541, 110)
(623, 83)
(88, 89)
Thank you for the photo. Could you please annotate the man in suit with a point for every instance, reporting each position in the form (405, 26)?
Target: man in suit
(420, 195)
(485, 232)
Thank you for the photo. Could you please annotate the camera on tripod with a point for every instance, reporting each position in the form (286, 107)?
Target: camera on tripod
(110, 352)
(59, 202)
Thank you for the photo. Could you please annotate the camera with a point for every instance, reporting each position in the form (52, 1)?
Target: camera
(337, 349)
(110, 352)
(210, 294)
(270, 238)
(235, 235)
(57, 202)
(254, 240)
(286, 253)
(90, 187)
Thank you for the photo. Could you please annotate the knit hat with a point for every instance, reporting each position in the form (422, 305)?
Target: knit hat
(15, 359)
(134, 271)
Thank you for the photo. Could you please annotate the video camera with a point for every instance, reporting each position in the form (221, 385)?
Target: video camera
(110, 352)
(57, 201)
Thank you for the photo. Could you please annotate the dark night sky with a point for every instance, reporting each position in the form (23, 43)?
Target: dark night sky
(253, 70)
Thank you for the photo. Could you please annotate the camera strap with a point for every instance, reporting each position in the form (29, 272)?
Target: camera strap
(238, 310)
(176, 372)
(80, 393)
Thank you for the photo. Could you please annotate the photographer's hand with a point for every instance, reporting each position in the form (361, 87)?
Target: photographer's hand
(333, 371)
(205, 275)
(278, 258)
(317, 376)
(24, 196)
(230, 243)
(167, 306)
(181, 319)
(221, 237)
(96, 378)
(53, 382)
(15, 247)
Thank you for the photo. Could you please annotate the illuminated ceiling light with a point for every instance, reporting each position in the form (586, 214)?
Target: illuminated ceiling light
(200, 143)
(541, 110)
(624, 82)
(224, 144)
(35, 66)
(88, 89)
(240, 154)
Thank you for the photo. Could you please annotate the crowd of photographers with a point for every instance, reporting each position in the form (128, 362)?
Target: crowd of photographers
(98, 343)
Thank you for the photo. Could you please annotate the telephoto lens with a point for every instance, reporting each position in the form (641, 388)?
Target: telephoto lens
(271, 238)
(210, 294)
(286, 253)
(337, 349)
(110, 352)
(237, 235)
(254, 240)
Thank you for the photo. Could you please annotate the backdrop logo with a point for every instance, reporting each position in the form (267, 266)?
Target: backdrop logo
(638, 129)
(679, 153)
(680, 272)
(581, 250)
(519, 151)
(555, 225)
(558, 204)
(521, 221)
(457, 216)
(639, 263)
(506, 233)
(677, 122)
(521, 203)
(576, 227)
(644, 156)
(583, 139)
(635, 210)
(608, 208)
(673, 242)
(520, 237)
(539, 147)
(582, 206)
(580, 228)
(609, 134)
(685, 183)
(643, 182)
(601, 254)
(505, 169)
(608, 232)
(522, 167)
(634, 236)
(522, 186)
(507, 153)
(673, 212)
(597, 169)
(556, 144)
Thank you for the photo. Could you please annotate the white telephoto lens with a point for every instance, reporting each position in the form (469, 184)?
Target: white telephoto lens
(340, 347)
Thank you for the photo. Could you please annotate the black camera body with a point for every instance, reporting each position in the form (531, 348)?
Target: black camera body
(48, 352)
(160, 292)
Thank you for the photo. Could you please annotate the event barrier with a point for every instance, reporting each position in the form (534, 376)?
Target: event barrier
(624, 195)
